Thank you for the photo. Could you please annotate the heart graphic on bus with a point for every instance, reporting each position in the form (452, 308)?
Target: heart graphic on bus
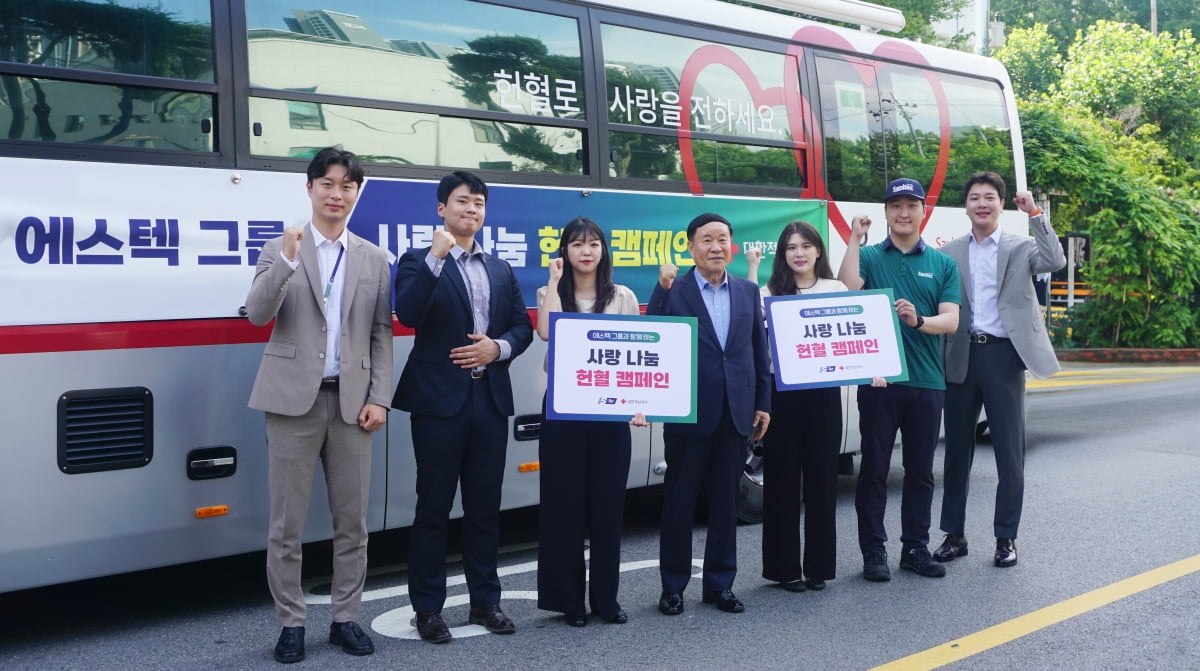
(807, 141)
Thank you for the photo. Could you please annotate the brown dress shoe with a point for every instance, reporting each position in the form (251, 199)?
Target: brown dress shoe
(433, 628)
(492, 618)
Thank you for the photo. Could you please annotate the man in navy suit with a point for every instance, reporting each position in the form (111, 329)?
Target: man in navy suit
(734, 401)
(470, 322)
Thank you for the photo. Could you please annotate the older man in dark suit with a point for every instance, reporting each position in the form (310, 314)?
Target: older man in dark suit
(470, 322)
(323, 383)
(733, 402)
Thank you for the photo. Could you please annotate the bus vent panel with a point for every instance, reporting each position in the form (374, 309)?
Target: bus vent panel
(105, 429)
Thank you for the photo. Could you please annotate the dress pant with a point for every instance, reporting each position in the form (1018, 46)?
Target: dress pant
(584, 471)
(294, 445)
(714, 463)
(996, 381)
(800, 459)
(468, 449)
(917, 414)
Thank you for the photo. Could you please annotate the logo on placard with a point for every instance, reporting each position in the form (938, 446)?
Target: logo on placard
(831, 311)
(623, 336)
(607, 400)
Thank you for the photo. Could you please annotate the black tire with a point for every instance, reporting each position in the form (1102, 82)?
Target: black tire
(750, 488)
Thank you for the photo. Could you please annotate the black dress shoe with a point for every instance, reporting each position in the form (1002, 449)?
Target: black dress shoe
(814, 585)
(351, 637)
(670, 604)
(1006, 552)
(290, 647)
(492, 618)
(576, 619)
(952, 547)
(619, 618)
(793, 585)
(723, 600)
(432, 627)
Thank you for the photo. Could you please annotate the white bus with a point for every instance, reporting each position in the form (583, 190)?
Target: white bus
(149, 150)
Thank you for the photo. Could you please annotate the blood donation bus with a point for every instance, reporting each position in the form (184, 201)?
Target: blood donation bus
(150, 149)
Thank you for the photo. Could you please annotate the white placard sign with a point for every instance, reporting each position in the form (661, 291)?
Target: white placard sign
(832, 339)
(610, 367)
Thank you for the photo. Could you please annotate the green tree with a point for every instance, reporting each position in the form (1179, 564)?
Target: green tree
(1032, 59)
(1145, 261)
(1121, 72)
(1066, 19)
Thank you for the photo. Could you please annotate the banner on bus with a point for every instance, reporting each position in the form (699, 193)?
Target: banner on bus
(83, 247)
(832, 339)
(611, 367)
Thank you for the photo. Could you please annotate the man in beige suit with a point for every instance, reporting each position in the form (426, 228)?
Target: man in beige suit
(324, 383)
(1000, 335)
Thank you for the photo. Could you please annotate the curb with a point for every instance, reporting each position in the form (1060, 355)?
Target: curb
(1128, 355)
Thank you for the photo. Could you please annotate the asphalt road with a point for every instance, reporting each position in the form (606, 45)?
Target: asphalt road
(1108, 578)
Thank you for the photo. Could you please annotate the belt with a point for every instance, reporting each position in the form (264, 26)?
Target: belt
(478, 373)
(986, 339)
(329, 383)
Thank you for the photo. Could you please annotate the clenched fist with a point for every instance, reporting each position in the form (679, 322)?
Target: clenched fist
(666, 275)
(291, 242)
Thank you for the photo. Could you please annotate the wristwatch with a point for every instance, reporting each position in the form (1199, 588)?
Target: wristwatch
(920, 322)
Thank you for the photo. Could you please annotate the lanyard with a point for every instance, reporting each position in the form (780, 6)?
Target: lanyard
(329, 285)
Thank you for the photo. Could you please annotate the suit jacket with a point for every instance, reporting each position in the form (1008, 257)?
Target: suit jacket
(1018, 260)
(439, 310)
(739, 374)
(294, 361)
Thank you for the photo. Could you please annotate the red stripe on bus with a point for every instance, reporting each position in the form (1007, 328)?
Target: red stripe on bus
(138, 335)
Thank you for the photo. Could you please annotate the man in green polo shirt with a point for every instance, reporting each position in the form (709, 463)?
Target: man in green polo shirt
(925, 284)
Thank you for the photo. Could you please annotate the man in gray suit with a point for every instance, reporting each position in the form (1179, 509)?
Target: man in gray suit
(1001, 334)
(324, 383)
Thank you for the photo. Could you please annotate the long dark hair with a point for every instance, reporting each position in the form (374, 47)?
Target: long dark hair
(582, 228)
(783, 279)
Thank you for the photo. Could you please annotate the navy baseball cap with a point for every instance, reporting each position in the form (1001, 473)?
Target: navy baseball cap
(904, 187)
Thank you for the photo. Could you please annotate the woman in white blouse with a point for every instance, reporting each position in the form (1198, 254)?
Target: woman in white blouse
(584, 464)
(800, 450)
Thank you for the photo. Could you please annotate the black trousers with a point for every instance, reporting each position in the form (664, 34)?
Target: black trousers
(584, 473)
(468, 448)
(714, 463)
(995, 381)
(800, 457)
(917, 414)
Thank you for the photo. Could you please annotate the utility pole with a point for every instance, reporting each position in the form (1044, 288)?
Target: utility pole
(1154, 17)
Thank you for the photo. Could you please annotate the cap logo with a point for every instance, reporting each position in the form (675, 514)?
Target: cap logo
(902, 187)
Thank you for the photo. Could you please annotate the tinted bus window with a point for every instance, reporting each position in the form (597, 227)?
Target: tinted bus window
(300, 129)
(49, 110)
(449, 53)
(855, 164)
(125, 36)
(673, 83)
(981, 135)
(643, 79)
(659, 157)
(894, 128)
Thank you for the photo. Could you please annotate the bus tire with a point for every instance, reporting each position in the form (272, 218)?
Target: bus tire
(750, 489)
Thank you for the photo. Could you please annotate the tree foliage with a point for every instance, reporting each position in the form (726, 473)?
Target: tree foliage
(1145, 261)
(1032, 59)
(1122, 72)
(1064, 20)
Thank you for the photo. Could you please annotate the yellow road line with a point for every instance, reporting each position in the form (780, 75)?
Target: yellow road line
(1055, 382)
(1015, 628)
